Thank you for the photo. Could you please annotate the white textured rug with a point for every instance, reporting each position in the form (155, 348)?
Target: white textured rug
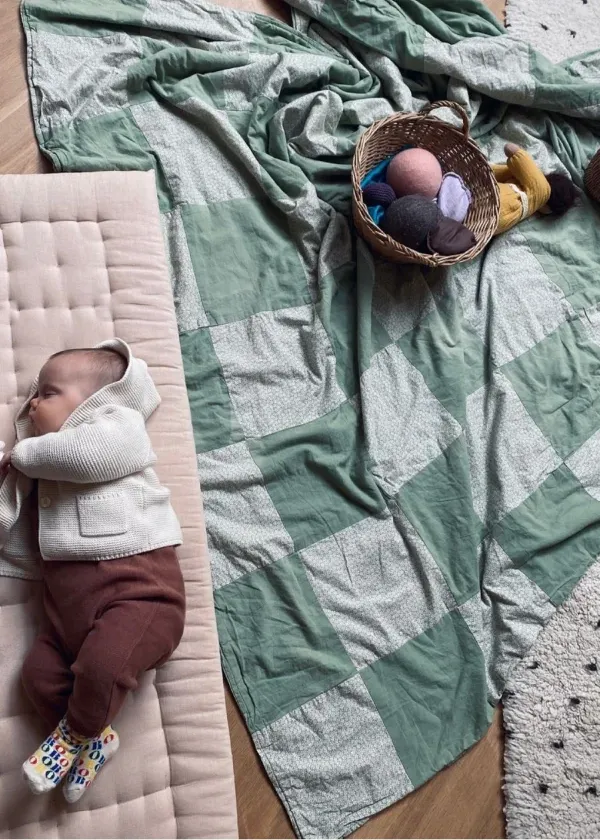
(552, 724)
(559, 29)
(552, 704)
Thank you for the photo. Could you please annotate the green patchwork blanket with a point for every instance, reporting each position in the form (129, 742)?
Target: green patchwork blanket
(401, 468)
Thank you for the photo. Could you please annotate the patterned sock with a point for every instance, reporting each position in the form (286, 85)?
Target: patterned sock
(50, 763)
(91, 759)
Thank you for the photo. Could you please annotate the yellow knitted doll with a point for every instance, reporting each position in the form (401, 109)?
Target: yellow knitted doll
(524, 189)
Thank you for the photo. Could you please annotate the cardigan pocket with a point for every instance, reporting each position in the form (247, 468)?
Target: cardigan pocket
(103, 514)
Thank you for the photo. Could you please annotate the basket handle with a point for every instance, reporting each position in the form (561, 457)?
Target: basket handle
(446, 103)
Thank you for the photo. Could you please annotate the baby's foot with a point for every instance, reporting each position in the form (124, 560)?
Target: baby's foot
(91, 759)
(50, 763)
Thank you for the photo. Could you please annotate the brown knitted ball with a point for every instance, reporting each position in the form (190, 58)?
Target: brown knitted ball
(410, 219)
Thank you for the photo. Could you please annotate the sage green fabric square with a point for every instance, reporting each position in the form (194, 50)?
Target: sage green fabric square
(318, 476)
(346, 311)
(270, 146)
(398, 29)
(337, 309)
(573, 241)
(550, 81)
(439, 503)
(448, 353)
(278, 648)
(228, 241)
(110, 141)
(431, 694)
(240, 120)
(213, 416)
(176, 75)
(554, 535)
(557, 382)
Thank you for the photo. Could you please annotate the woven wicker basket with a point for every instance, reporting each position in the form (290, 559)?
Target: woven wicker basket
(591, 179)
(455, 151)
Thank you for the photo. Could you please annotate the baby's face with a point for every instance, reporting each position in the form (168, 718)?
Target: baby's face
(64, 383)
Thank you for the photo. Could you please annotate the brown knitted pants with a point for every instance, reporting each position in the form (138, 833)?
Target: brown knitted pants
(105, 624)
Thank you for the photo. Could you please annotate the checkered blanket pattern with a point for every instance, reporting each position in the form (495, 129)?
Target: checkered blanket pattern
(400, 468)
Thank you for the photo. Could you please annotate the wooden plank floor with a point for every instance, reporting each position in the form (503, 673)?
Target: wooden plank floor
(464, 800)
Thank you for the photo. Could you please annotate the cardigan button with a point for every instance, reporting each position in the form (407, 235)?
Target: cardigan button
(45, 502)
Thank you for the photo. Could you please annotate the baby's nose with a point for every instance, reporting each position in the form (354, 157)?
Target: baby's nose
(34, 403)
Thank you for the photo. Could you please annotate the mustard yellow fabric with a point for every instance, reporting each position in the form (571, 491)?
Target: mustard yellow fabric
(519, 169)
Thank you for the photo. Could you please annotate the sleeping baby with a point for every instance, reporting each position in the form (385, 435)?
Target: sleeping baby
(112, 588)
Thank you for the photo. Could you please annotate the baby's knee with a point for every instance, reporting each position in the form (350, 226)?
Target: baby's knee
(179, 626)
(172, 624)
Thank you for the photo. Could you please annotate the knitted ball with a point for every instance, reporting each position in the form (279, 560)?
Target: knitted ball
(414, 172)
(378, 194)
(410, 219)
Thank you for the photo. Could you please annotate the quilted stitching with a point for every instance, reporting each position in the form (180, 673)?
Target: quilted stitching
(81, 260)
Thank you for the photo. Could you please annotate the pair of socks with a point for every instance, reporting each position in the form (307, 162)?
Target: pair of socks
(66, 754)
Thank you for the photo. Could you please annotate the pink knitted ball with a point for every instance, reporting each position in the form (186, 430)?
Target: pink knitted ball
(414, 172)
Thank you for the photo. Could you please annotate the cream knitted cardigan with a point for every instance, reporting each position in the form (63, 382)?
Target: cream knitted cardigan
(98, 496)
